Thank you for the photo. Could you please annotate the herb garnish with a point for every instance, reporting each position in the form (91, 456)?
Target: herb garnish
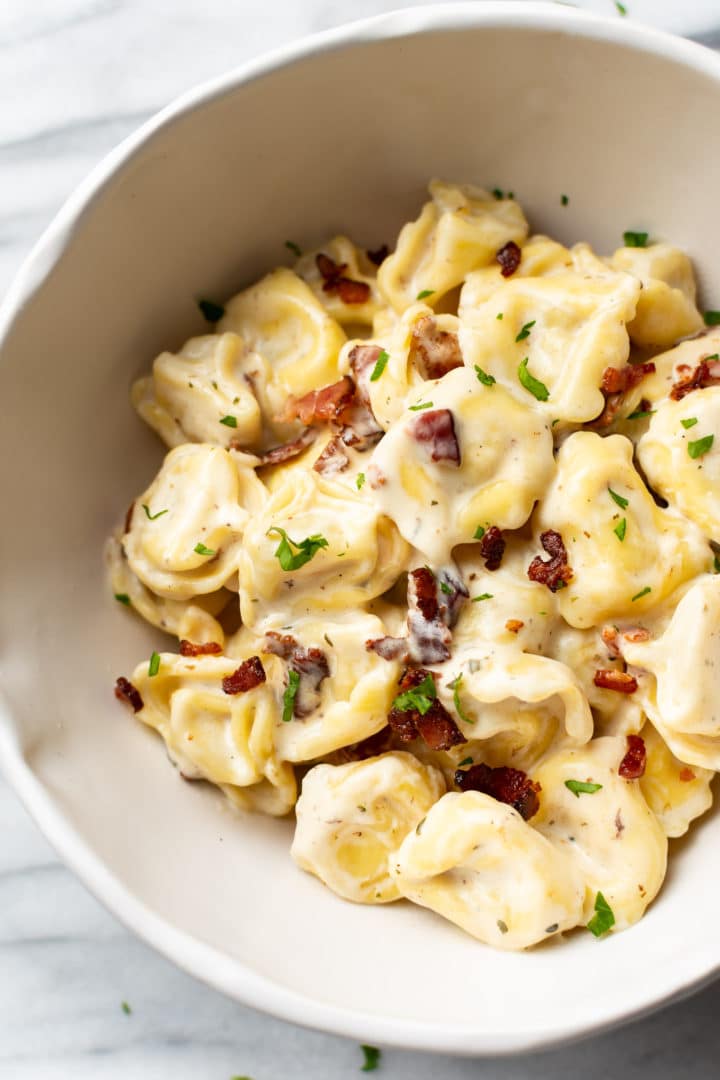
(621, 8)
(564, 200)
(153, 517)
(380, 363)
(123, 598)
(603, 919)
(712, 318)
(700, 446)
(482, 596)
(640, 414)
(372, 1058)
(499, 315)
(125, 1008)
(479, 533)
(200, 549)
(537, 389)
(289, 696)
(483, 377)
(455, 687)
(418, 698)
(525, 332)
(424, 293)
(154, 665)
(619, 499)
(229, 421)
(359, 480)
(620, 529)
(213, 312)
(444, 587)
(579, 787)
(292, 246)
(638, 596)
(690, 422)
(465, 761)
(422, 405)
(635, 239)
(306, 549)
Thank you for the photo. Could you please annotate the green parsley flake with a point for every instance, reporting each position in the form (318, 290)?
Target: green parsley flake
(123, 598)
(380, 363)
(125, 1008)
(700, 446)
(213, 312)
(639, 596)
(289, 696)
(502, 926)
(372, 1058)
(533, 385)
(622, 10)
(498, 193)
(525, 332)
(465, 761)
(712, 318)
(716, 565)
(455, 687)
(579, 787)
(690, 422)
(619, 499)
(292, 246)
(359, 480)
(424, 293)
(154, 665)
(200, 549)
(603, 919)
(483, 377)
(229, 421)
(564, 200)
(620, 529)
(306, 549)
(444, 587)
(635, 239)
(640, 414)
(482, 596)
(153, 517)
(422, 405)
(499, 315)
(479, 533)
(418, 698)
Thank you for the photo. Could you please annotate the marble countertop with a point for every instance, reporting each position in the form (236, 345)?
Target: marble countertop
(76, 76)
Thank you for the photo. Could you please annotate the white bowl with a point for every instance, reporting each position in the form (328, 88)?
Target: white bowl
(340, 131)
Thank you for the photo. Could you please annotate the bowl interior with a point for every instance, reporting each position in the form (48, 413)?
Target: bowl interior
(343, 138)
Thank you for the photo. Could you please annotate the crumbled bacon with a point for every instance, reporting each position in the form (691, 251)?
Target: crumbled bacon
(492, 547)
(250, 674)
(632, 766)
(436, 727)
(310, 664)
(514, 625)
(553, 572)
(707, 373)
(125, 691)
(612, 679)
(334, 281)
(435, 431)
(333, 458)
(686, 775)
(620, 380)
(429, 636)
(510, 786)
(361, 429)
(636, 634)
(509, 257)
(433, 351)
(207, 648)
(610, 638)
(453, 592)
(282, 645)
(128, 518)
(389, 648)
(363, 359)
(289, 450)
(378, 257)
(320, 406)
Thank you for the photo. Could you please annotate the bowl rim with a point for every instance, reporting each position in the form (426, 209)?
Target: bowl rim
(204, 962)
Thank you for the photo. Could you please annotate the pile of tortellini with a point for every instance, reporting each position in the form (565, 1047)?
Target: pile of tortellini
(366, 457)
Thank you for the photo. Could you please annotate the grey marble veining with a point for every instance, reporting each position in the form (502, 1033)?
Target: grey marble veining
(76, 76)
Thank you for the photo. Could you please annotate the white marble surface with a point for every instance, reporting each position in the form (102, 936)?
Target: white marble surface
(75, 77)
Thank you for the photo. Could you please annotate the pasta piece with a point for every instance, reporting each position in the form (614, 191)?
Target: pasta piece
(609, 833)
(350, 818)
(618, 570)
(216, 735)
(463, 456)
(541, 256)
(185, 532)
(343, 280)
(201, 394)
(478, 864)
(675, 793)
(666, 309)
(460, 230)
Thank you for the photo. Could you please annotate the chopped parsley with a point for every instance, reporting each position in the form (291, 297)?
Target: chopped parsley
(380, 363)
(444, 587)
(712, 318)
(422, 405)
(498, 193)
(534, 386)
(690, 422)
(482, 596)
(418, 698)
(292, 246)
(359, 480)
(424, 293)
(564, 200)
(153, 517)
(640, 414)
(289, 696)
(635, 239)
(620, 529)
(502, 926)
(229, 421)
(483, 377)
(200, 549)
(154, 665)
(306, 549)
(499, 315)
(622, 10)
(372, 1058)
(125, 1008)
(123, 598)
(479, 533)
(716, 565)
(525, 332)
(465, 761)
(213, 312)
(455, 687)
(579, 787)
(619, 499)
(639, 596)
(700, 446)
(603, 919)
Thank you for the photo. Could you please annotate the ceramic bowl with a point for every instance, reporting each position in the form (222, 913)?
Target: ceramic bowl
(341, 131)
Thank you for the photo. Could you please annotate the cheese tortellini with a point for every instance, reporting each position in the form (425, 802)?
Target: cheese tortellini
(437, 536)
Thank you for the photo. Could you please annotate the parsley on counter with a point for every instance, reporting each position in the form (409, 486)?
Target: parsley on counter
(213, 312)
(712, 318)
(123, 598)
(635, 239)
(372, 1058)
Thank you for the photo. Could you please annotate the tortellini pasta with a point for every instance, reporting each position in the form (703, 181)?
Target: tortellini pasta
(439, 531)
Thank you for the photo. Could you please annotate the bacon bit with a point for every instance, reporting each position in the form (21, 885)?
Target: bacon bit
(310, 664)
(707, 373)
(333, 458)
(429, 636)
(250, 674)
(451, 601)
(361, 428)
(636, 634)
(509, 257)
(434, 352)
(334, 281)
(615, 383)
(437, 727)
(377, 258)
(125, 691)
(514, 625)
(128, 518)
(389, 648)
(686, 775)
(320, 406)
(435, 430)
(363, 359)
(492, 547)
(379, 743)
(632, 766)
(288, 450)
(208, 648)
(554, 572)
(611, 679)
(376, 477)
(282, 645)
(510, 786)
(609, 635)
